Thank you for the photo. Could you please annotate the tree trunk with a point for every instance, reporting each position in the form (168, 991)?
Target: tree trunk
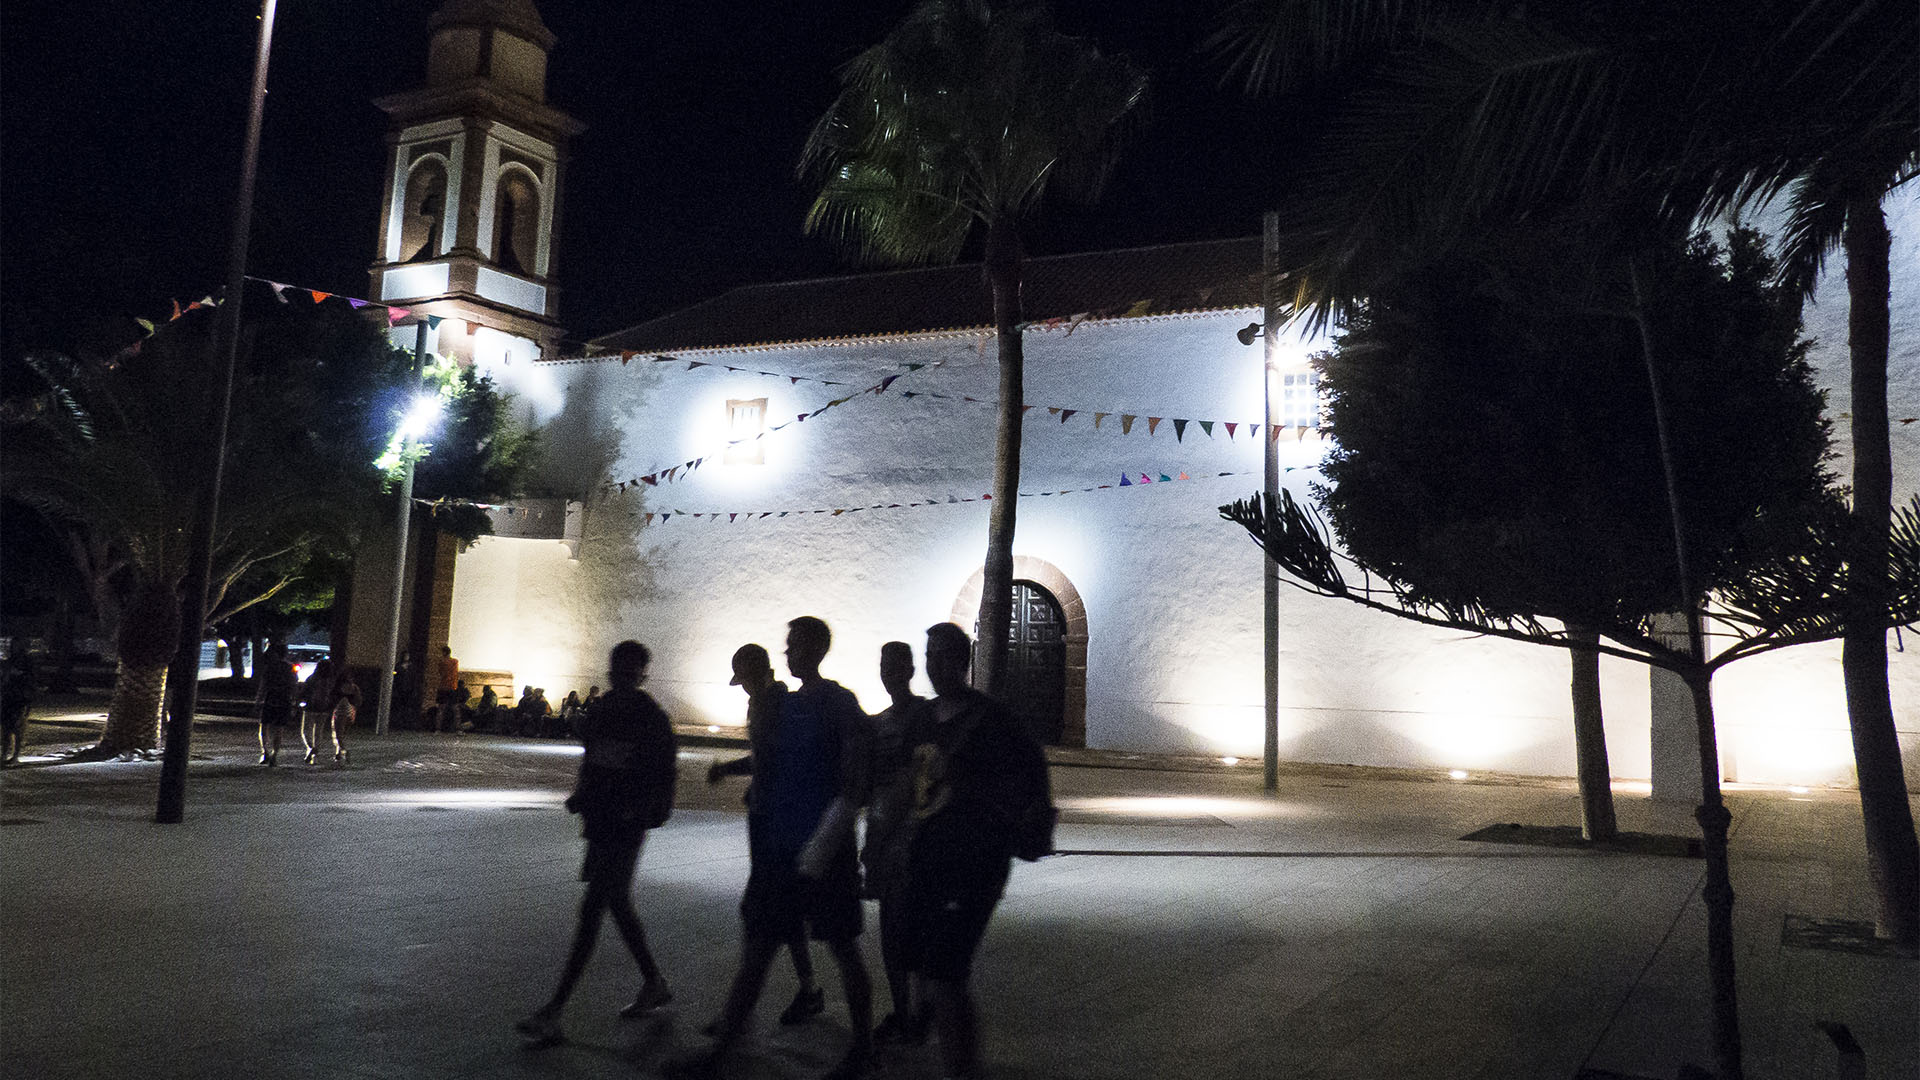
(1893, 856)
(1714, 819)
(133, 715)
(1712, 813)
(1590, 740)
(148, 630)
(60, 643)
(1003, 264)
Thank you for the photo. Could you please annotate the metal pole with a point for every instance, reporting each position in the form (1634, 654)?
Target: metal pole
(183, 676)
(384, 717)
(1269, 332)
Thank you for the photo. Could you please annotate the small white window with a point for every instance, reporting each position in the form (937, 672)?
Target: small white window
(746, 421)
(1297, 402)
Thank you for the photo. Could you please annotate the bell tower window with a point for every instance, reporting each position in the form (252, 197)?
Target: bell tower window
(424, 211)
(516, 228)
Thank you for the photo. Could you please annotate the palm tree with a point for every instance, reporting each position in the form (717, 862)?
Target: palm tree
(1465, 113)
(119, 440)
(1456, 113)
(966, 118)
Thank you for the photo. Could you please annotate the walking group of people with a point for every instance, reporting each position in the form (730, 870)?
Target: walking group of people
(325, 705)
(953, 790)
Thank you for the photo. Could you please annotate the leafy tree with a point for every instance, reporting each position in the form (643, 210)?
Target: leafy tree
(116, 452)
(1478, 550)
(1461, 111)
(965, 119)
(1495, 449)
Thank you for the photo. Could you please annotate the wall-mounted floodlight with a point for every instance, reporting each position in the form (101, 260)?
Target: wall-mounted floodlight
(1247, 335)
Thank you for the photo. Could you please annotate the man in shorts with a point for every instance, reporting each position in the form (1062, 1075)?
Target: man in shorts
(625, 788)
(277, 686)
(976, 775)
(883, 857)
(803, 869)
(753, 673)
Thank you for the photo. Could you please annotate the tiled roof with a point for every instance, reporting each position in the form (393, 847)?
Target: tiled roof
(1204, 276)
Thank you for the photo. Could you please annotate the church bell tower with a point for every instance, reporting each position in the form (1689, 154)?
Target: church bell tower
(474, 166)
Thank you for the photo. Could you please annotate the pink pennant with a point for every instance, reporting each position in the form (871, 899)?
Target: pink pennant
(395, 314)
(1230, 426)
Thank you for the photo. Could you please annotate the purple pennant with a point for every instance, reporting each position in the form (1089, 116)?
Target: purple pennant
(1124, 482)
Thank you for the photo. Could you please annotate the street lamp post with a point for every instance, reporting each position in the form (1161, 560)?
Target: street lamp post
(1270, 330)
(384, 717)
(183, 676)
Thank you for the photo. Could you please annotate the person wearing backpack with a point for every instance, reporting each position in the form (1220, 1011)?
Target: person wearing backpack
(626, 784)
(980, 799)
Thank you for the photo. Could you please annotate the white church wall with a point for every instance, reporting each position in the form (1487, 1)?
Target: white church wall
(1172, 593)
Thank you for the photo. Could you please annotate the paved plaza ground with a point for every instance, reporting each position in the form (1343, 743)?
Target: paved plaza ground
(392, 919)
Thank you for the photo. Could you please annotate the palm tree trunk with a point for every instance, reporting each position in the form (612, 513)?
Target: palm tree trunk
(1714, 819)
(1711, 814)
(148, 630)
(133, 715)
(1003, 265)
(1590, 740)
(1893, 856)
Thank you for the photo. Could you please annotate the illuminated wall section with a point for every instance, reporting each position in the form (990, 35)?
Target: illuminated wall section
(1172, 593)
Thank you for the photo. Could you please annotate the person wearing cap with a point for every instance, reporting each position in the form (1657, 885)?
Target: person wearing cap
(809, 783)
(753, 673)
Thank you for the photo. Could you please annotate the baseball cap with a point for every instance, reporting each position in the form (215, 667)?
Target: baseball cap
(748, 659)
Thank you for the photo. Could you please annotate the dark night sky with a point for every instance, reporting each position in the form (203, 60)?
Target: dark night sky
(123, 120)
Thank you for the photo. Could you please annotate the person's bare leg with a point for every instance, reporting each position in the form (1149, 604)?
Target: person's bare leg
(653, 987)
(756, 958)
(859, 988)
(802, 960)
(954, 1020)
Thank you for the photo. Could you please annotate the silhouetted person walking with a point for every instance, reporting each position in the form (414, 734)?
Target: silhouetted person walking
(625, 788)
(753, 673)
(980, 796)
(316, 704)
(275, 687)
(885, 854)
(17, 688)
(804, 871)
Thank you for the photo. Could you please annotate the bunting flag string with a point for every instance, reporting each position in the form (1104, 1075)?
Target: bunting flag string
(737, 516)
(686, 468)
(1060, 413)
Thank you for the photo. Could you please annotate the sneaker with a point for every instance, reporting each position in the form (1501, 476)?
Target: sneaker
(699, 1065)
(898, 1030)
(266, 759)
(541, 1029)
(806, 1005)
(650, 997)
(857, 1065)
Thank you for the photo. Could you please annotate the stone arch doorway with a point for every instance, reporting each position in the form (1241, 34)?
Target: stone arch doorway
(1053, 659)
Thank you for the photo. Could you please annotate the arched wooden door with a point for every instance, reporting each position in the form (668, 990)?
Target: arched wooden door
(1036, 678)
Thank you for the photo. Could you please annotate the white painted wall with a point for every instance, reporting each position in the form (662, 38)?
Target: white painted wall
(1172, 592)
